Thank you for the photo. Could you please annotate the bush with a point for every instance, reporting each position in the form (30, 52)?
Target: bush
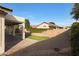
(75, 38)
(35, 30)
(27, 25)
(17, 30)
(52, 27)
(27, 34)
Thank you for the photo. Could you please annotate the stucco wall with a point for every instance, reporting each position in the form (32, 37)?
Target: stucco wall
(2, 34)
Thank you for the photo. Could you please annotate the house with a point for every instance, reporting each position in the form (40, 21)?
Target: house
(44, 25)
(8, 24)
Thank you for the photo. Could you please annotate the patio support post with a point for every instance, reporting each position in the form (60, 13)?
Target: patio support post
(2, 34)
(14, 30)
(23, 30)
(10, 30)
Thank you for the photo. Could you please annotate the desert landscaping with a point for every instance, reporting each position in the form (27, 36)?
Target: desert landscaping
(44, 47)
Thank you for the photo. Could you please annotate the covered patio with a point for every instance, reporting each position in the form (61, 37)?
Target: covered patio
(12, 37)
(8, 24)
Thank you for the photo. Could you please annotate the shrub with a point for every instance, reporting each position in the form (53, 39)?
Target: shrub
(75, 38)
(27, 34)
(17, 30)
(52, 27)
(35, 30)
(27, 25)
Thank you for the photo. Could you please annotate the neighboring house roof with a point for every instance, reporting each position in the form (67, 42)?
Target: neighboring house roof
(46, 23)
(42, 23)
(35, 26)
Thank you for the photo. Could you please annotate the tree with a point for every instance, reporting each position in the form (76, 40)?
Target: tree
(52, 23)
(27, 24)
(75, 11)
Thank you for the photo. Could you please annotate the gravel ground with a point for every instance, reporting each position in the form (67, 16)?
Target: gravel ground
(57, 45)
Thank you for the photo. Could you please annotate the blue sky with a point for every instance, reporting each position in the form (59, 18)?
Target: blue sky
(43, 12)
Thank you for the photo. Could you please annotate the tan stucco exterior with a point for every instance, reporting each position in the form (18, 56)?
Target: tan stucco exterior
(2, 34)
(3, 12)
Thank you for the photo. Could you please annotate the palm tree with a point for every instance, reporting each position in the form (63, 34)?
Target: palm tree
(75, 11)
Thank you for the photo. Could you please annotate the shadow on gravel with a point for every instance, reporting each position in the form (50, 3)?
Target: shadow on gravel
(60, 44)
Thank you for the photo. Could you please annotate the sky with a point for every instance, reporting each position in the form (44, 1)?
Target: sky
(43, 12)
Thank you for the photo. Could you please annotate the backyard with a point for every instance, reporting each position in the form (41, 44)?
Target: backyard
(43, 45)
(48, 34)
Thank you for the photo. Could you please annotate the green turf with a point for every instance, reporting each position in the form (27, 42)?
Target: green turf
(34, 30)
(38, 37)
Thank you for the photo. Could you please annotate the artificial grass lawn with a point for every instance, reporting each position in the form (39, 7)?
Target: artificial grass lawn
(38, 37)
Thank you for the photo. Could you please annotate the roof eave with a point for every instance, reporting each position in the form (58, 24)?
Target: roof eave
(8, 9)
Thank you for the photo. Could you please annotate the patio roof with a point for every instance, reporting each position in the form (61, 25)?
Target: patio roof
(13, 20)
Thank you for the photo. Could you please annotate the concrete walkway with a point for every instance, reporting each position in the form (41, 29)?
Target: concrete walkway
(22, 44)
(56, 45)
